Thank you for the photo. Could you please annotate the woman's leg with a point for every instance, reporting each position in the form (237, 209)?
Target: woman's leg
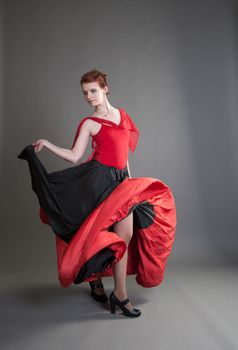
(124, 229)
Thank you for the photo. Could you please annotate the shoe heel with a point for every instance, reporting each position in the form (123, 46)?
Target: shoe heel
(113, 308)
(115, 301)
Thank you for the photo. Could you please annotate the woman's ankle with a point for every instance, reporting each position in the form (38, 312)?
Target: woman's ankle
(121, 295)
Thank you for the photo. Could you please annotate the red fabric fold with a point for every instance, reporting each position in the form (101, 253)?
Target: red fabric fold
(134, 133)
(149, 247)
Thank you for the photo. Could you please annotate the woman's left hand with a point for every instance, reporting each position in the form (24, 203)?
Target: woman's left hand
(39, 144)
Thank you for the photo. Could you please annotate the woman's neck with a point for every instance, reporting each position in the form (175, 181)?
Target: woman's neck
(105, 109)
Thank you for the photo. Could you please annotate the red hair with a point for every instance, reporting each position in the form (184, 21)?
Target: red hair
(95, 75)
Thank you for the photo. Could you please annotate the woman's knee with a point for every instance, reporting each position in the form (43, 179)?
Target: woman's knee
(126, 236)
(124, 228)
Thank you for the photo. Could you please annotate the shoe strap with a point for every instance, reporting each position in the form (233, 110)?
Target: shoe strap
(125, 301)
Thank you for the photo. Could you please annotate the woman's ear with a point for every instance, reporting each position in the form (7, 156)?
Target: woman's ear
(106, 89)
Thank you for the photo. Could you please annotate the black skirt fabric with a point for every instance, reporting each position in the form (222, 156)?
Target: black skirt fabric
(68, 196)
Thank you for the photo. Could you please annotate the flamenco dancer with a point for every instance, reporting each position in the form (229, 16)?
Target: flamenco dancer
(105, 221)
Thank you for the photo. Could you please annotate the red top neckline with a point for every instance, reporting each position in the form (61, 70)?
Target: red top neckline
(107, 120)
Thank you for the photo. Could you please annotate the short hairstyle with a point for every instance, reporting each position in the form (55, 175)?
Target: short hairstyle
(95, 75)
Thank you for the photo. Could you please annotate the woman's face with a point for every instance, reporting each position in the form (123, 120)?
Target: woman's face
(93, 93)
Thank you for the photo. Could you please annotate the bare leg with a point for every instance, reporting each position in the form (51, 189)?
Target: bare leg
(124, 229)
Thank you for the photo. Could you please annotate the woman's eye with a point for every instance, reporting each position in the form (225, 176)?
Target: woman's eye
(85, 93)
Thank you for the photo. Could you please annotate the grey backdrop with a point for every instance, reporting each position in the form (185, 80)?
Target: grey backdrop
(171, 64)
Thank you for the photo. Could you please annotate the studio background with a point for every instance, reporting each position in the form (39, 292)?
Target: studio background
(172, 65)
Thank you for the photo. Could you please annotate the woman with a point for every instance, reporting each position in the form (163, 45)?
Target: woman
(105, 221)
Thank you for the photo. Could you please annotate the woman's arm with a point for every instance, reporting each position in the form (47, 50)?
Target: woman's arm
(66, 154)
(128, 168)
(71, 155)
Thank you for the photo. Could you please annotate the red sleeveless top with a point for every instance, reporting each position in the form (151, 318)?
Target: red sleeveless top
(110, 145)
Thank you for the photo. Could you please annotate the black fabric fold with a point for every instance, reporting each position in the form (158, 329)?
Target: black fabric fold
(68, 196)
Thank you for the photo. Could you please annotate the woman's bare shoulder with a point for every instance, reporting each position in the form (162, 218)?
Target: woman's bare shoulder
(92, 126)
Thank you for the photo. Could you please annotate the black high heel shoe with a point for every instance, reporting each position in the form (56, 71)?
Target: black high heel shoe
(115, 301)
(101, 298)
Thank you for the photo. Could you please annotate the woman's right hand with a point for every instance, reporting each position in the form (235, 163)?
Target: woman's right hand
(39, 144)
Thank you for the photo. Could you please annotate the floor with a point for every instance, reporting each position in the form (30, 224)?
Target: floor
(195, 307)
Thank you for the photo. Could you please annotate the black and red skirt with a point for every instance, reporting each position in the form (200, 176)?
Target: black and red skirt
(82, 203)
